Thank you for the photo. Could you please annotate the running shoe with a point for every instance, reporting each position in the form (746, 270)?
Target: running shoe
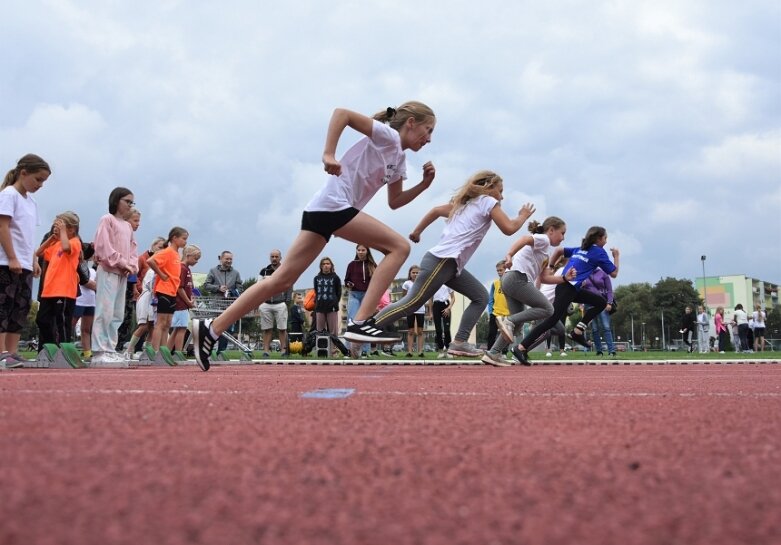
(506, 328)
(495, 359)
(460, 348)
(368, 332)
(13, 361)
(579, 338)
(203, 342)
(521, 356)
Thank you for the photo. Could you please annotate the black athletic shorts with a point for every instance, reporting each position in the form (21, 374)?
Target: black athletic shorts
(325, 223)
(166, 304)
(412, 319)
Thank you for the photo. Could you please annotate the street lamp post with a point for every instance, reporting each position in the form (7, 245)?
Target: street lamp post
(704, 285)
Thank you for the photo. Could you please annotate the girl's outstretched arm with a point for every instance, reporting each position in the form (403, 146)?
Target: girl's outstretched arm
(340, 119)
(527, 240)
(398, 197)
(510, 226)
(441, 211)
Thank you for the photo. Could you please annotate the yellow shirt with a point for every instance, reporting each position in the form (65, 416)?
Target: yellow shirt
(500, 302)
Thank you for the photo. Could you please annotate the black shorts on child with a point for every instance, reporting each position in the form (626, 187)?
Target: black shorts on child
(166, 304)
(325, 223)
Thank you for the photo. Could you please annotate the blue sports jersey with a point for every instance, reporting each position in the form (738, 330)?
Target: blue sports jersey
(585, 261)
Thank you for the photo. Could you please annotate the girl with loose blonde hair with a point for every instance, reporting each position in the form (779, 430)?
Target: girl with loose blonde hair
(470, 213)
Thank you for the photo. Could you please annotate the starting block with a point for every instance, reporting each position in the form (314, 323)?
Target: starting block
(323, 346)
(65, 356)
(163, 357)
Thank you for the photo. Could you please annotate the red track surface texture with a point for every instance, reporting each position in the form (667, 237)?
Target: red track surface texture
(415, 455)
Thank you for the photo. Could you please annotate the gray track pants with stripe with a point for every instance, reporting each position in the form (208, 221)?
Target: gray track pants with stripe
(434, 272)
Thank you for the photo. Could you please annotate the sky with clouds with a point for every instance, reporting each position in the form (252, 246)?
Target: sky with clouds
(659, 120)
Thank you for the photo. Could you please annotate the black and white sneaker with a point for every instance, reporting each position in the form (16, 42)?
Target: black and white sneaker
(203, 342)
(367, 332)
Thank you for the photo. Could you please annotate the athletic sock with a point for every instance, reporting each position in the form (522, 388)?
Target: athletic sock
(131, 346)
(214, 335)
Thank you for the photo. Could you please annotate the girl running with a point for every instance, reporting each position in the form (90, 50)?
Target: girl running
(469, 216)
(527, 260)
(584, 260)
(18, 220)
(375, 161)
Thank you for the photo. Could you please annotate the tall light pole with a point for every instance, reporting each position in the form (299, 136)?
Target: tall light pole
(704, 286)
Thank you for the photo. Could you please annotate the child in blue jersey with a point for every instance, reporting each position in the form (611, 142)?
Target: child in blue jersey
(583, 260)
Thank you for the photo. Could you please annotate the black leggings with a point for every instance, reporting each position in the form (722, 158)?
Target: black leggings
(566, 294)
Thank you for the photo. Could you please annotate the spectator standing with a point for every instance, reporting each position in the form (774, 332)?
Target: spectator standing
(416, 319)
(146, 313)
(703, 325)
(759, 329)
(224, 281)
(297, 320)
(157, 244)
(117, 256)
(167, 265)
(123, 333)
(441, 310)
(359, 273)
(328, 295)
(18, 220)
(599, 282)
(84, 311)
(62, 252)
(741, 321)
(721, 329)
(688, 327)
(497, 304)
(184, 297)
(274, 310)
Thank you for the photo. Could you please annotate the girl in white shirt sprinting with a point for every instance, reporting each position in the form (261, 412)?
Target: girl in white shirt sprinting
(469, 215)
(375, 161)
(527, 259)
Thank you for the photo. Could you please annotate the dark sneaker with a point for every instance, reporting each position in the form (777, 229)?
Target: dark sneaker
(203, 342)
(521, 356)
(367, 332)
(579, 338)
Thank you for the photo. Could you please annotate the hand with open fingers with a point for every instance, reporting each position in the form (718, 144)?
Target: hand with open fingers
(331, 165)
(527, 210)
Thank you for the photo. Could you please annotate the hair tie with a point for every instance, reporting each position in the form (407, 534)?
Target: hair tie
(390, 112)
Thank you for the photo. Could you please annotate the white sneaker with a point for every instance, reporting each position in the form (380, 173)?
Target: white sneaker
(465, 349)
(506, 328)
(563, 353)
(548, 354)
(128, 355)
(497, 360)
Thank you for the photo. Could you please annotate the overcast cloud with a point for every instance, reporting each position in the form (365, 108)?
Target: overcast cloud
(659, 120)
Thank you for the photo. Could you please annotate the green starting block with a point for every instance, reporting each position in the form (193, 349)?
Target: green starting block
(65, 356)
(150, 357)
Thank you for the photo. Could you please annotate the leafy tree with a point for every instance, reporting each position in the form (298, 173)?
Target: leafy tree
(773, 324)
(635, 302)
(481, 333)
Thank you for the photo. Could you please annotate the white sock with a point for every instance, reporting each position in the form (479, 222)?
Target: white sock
(213, 334)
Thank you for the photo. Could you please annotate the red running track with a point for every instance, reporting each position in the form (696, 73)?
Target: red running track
(414, 455)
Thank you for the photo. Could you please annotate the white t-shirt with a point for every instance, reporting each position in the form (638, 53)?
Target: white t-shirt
(465, 230)
(442, 295)
(741, 317)
(529, 259)
(366, 167)
(759, 318)
(549, 290)
(406, 286)
(23, 212)
(87, 297)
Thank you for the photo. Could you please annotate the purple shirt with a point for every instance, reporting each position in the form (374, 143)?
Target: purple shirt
(599, 282)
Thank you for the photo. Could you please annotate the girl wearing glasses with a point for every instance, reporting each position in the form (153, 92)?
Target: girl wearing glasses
(116, 253)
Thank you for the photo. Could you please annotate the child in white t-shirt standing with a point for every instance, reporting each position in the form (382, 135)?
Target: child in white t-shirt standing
(18, 220)
(469, 216)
